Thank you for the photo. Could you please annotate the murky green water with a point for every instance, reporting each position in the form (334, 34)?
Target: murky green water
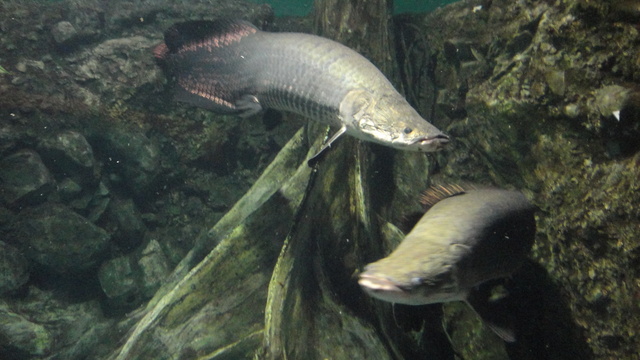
(301, 8)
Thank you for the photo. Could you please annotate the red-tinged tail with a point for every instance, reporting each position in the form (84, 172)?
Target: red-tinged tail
(161, 51)
(194, 36)
(199, 57)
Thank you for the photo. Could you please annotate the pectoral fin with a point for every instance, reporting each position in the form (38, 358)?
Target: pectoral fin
(318, 156)
(494, 313)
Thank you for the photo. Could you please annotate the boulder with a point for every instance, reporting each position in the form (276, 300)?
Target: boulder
(14, 268)
(125, 222)
(24, 179)
(59, 239)
(69, 155)
(131, 158)
(22, 337)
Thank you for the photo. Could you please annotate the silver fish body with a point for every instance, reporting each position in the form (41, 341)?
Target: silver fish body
(237, 68)
(459, 243)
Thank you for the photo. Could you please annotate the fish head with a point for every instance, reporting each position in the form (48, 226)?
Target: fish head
(388, 282)
(391, 121)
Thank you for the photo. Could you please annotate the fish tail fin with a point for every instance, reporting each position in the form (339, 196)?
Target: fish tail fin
(200, 57)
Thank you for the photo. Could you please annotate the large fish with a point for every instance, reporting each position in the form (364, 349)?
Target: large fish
(465, 238)
(231, 66)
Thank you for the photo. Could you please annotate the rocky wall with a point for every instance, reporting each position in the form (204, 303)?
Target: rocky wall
(103, 187)
(543, 96)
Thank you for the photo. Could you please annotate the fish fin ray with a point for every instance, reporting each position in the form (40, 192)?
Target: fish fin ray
(191, 35)
(436, 193)
(197, 95)
(408, 221)
(199, 56)
(504, 333)
(495, 315)
(315, 158)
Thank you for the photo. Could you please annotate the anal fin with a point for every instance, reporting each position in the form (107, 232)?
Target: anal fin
(206, 95)
(202, 93)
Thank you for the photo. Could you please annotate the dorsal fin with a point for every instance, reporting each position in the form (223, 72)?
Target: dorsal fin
(214, 33)
(436, 193)
(408, 221)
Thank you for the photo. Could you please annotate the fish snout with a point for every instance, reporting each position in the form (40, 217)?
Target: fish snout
(434, 143)
(377, 283)
(382, 288)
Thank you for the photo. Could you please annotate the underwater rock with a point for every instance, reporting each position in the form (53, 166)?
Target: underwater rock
(118, 280)
(457, 51)
(131, 156)
(117, 67)
(72, 147)
(128, 227)
(20, 336)
(519, 43)
(617, 108)
(14, 269)
(25, 65)
(24, 179)
(68, 189)
(70, 155)
(128, 280)
(83, 23)
(155, 268)
(608, 100)
(572, 110)
(74, 327)
(623, 128)
(9, 136)
(556, 81)
(97, 204)
(7, 221)
(54, 236)
(63, 32)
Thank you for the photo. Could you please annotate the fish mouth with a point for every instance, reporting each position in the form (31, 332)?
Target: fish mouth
(434, 142)
(384, 289)
(376, 283)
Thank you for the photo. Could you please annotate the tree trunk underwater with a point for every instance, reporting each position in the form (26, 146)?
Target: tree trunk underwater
(294, 242)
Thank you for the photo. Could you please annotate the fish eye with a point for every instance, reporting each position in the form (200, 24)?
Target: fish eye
(408, 130)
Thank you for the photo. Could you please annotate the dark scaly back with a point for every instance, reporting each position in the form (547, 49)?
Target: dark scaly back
(199, 56)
